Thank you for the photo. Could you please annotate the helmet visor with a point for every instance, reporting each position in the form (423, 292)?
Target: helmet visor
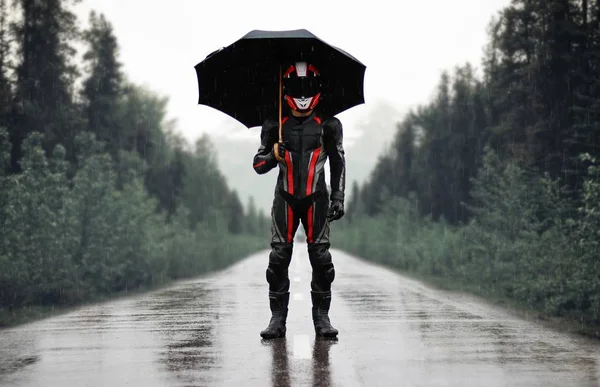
(302, 87)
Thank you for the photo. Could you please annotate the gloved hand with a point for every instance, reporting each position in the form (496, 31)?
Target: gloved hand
(279, 150)
(336, 210)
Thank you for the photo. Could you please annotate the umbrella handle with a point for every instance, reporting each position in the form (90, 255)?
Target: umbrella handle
(280, 98)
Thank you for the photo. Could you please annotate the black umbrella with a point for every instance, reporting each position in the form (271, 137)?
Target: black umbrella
(243, 80)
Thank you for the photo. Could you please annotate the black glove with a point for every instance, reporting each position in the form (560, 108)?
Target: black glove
(336, 210)
(281, 149)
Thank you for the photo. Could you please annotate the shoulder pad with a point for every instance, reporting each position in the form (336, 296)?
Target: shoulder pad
(333, 123)
(269, 124)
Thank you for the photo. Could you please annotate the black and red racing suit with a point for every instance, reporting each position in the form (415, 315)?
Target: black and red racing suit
(301, 193)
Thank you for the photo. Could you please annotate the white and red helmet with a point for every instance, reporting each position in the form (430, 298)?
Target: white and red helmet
(301, 86)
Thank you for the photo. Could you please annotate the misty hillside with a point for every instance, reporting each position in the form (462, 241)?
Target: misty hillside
(364, 142)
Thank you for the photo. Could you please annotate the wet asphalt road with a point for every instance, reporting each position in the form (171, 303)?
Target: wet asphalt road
(205, 332)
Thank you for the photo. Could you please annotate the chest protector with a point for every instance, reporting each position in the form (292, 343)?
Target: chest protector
(301, 171)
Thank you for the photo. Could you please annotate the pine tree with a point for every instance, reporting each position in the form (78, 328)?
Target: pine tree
(464, 147)
(404, 154)
(433, 181)
(102, 90)
(354, 207)
(45, 75)
(509, 66)
(552, 79)
(204, 187)
(235, 212)
(584, 135)
(252, 218)
(5, 64)
(174, 186)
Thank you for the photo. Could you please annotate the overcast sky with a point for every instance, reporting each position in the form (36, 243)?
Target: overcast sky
(404, 44)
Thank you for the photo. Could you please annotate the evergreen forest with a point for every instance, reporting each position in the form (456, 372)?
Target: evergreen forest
(493, 186)
(99, 194)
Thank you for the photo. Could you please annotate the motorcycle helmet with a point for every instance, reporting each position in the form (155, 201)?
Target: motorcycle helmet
(301, 86)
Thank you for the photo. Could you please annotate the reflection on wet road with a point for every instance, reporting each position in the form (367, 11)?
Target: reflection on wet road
(205, 332)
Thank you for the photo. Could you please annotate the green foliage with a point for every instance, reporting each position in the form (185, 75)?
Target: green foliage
(69, 242)
(5, 64)
(502, 172)
(35, 231)
(436, 151)
(587, 233)
(45, 74)
(102, 90)
(99, 194)
(522, 243)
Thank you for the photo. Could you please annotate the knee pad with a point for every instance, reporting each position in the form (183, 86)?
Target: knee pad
(271, 275)
(324, 275)
(277, 278)
(277, 271)
(281, 254)
(318, 250)
(323, 269)
(330, 274)
(319, 255)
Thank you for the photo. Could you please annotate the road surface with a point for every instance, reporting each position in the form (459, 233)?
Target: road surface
(394, 331)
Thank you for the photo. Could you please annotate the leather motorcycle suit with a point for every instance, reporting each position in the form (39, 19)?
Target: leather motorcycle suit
(301, 193)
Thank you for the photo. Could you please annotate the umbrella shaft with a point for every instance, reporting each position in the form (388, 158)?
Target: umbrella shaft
(280, 102)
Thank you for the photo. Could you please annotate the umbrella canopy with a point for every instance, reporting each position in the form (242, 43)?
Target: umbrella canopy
(243, 80)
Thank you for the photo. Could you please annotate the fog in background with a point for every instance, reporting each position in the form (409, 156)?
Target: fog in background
(405, 46)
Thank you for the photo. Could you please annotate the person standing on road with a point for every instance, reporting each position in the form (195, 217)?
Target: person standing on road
(302, 195)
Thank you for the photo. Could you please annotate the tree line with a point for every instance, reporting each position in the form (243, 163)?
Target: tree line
(494, 183)
(99, 193)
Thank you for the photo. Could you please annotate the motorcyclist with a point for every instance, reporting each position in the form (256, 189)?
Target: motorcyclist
(301, 194)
